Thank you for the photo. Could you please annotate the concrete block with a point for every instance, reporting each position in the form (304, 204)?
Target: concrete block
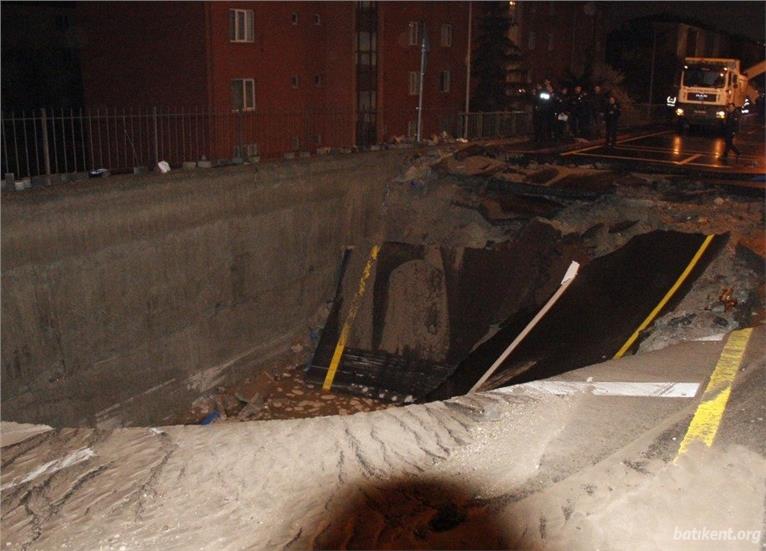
(204, 163)
(189, 165)
(374, 148)
(324, 150)
(305, 155)
(290, 155)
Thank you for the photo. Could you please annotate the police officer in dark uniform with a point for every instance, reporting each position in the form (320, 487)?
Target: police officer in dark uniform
(547, 111)
(561, 113)
(578, 108)
(599, 101)
(730, 128)
(611, 118)
(537, 125)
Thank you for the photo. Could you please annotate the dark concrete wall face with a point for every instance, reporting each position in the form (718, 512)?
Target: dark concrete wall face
(120, 301)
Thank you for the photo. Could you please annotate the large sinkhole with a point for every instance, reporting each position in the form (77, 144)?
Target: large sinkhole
(343, 289)
(412, 323)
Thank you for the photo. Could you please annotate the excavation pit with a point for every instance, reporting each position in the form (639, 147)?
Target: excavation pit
(158, 300)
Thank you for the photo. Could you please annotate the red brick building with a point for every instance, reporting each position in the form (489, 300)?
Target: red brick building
(555, 37)
(286, 76)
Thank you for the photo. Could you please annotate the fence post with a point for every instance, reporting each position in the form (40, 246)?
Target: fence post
(156, 142)
(46, 152)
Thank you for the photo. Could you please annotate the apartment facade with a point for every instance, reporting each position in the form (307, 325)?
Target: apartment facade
(556, 37)
(291, 76)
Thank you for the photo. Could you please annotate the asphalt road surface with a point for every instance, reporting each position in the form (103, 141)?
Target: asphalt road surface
(696, 150)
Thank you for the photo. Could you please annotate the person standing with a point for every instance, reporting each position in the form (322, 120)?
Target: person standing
(730, 128)
(611, 118)
(537, 125)
(547, 111)
(599, 101)
(579, 112)
(561, 111)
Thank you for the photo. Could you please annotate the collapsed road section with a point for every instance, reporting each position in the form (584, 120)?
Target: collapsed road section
(434, 320)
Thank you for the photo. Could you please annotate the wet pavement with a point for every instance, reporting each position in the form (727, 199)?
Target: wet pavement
(696, 150)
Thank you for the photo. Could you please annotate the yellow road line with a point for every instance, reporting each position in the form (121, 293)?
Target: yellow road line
(684, 152)
(690, 159)
(604, 156)
(578, 151)
(344, 333)
(644, 324)
(634, 138)
(707, 418)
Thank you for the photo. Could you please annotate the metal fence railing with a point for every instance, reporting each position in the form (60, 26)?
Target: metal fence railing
(45, 141)
(500, 124)
(48, 142)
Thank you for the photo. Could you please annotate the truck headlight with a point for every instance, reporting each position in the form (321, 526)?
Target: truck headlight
(720, 114)
(679, 112)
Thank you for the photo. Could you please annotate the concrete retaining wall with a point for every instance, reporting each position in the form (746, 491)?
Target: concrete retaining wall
(121, 298)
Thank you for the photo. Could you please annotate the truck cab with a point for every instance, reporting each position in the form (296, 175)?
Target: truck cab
(706, 86)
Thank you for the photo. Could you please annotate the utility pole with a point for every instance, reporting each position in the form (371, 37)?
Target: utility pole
(651, 73)
(422, 75)
(468, 72)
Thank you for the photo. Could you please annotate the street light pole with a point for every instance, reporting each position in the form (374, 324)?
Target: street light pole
(422, 75)
(468, 72)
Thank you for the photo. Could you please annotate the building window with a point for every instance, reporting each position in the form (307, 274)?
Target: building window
(243, 94)
(318, 81)
(415, 29)
(444, 81)
(446, 36)
(414, 83)
(241, 26)
(62, 22)
(531, 40)
(317, 19)
(295, 81)
(550, 42)
(294, 18)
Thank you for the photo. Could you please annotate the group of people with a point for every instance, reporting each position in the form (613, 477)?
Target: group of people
(579, 114)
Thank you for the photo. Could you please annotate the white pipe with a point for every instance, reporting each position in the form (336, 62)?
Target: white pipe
(568, 278)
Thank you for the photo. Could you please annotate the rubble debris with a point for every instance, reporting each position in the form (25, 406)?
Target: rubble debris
(726, 298)
(620, 227)
(542, 176)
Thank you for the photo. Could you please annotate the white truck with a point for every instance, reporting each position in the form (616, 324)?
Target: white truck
(707, 85)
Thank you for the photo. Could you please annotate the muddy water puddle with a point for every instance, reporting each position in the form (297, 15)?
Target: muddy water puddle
(281, 394)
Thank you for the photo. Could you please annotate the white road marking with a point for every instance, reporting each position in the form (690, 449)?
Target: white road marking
(712, 338)
(606, 388)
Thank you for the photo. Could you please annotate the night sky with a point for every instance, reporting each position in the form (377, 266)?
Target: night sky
(746, 18)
